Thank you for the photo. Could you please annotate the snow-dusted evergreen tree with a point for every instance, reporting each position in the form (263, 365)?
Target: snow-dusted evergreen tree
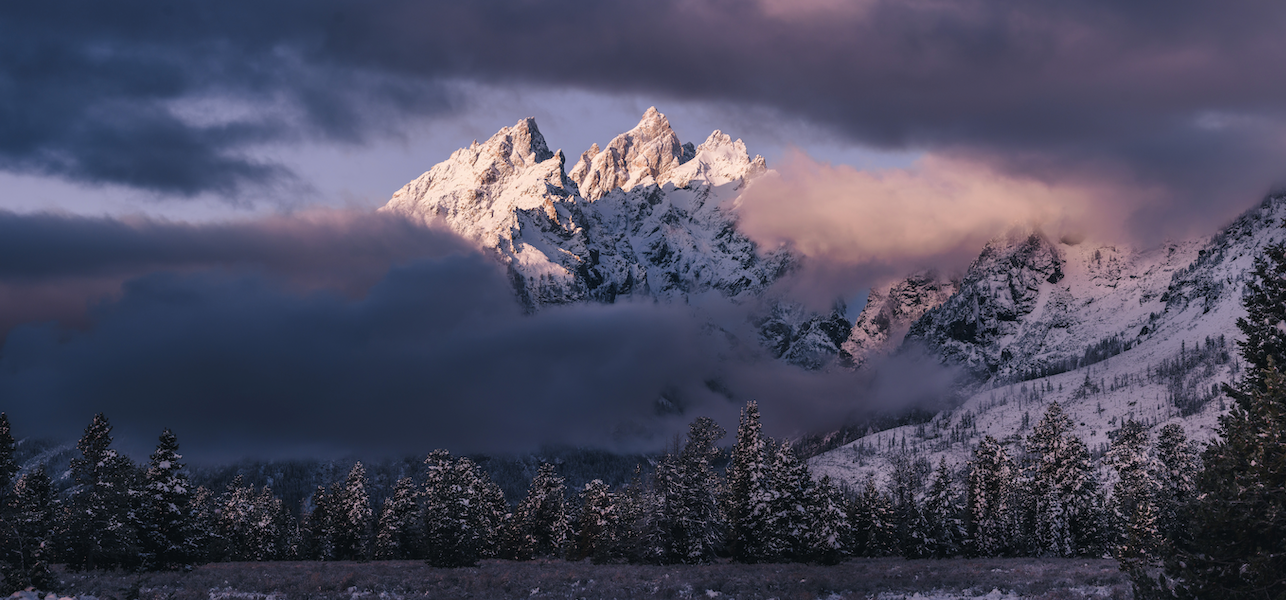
(100, 525)
(168, 536)
(828, 526)
(320, 527)
(462, 511)
(205, 516)
(1176, 478)
(687, 525)
(1234, 542)
(401, 528)
(355, 526)
(1133, 503)
(540, 526)
(990, 516)
(911, 527)
(630, 506)
(8, 467)
(871, 517)
(251, 522)
(787, 518)
(748, 492)
(1060, 489)
(30, 517)
(943, 512)
(597, 522)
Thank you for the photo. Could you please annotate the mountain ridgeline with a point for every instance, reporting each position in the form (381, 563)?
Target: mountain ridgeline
(645, 217)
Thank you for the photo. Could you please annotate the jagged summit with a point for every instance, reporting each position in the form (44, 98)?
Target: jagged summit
(644, 216)
(643, 155)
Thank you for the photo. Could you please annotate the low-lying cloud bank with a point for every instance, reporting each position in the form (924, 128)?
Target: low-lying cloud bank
(337, 333)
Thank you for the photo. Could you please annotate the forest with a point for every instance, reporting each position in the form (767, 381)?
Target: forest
(1182, 521)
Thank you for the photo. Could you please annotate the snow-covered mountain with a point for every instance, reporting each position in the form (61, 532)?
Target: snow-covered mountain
(890, 310)
(1109, 332)
(645, 216)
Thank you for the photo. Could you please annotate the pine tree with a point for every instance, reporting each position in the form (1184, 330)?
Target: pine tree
(990, 516)
(252, 524)
(30, 520)
(205, 534)
(401, 529)
(8, 467)
(787, 519)
(168, 536)
(1133, 502)
(596, 523)
(687, 524)
(910, 525)
(540, 527)
(748, 492)
(1179, 465)
(101, 523)
(320, 527)
(1061, 488)
(1234, 542)
(871, 517)
(354, 528)
(828, 525)
(942, 510)
(462, 511)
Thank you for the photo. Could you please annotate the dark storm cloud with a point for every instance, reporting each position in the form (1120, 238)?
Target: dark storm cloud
(53, 267)
(330, 333)
(1179, 96)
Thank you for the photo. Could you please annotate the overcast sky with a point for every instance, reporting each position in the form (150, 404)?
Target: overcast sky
(187, 187)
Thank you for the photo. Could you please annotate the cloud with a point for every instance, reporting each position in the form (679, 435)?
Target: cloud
(175, 98)
(333, 333)
(937, 213)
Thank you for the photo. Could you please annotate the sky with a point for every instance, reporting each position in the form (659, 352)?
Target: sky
(187, 235)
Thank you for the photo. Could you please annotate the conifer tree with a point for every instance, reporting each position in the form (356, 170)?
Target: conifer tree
(168, 535)
(1178, 467)
(460, 511)
(597, 522)
(872, 524)
(990, 516)
(8, 467)
(942, 510)
(540, 526)
(748, 492)
(687, 524)
(910, 525)
(787, 518)
(1234, 541)
(354, 529)
(30, 520)
(828, 525)
(320, 526)
(1061, 488)
(401, 529)
(205, 535)
(101, 522)
(1133, 502)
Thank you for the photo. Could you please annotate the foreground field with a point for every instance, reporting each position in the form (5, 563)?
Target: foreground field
(884, 579)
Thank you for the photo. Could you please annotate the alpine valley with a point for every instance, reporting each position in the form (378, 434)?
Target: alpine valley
(1109, 332)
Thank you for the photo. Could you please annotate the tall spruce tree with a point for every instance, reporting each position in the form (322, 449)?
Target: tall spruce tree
(748, 491)
(942, 510)
(401, 529)
(540, 526)
(990, 517)
(169, 539)
(1133, 503)
(1061, 488)
(874, 530)
(828, 525)
(687, 525)
(355, 527)
(1179, 465)
(1234, 542)
(101, 521)
(597, 521)
(30, 519)
(462, 511)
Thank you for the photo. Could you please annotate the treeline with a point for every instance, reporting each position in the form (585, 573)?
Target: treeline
(766, 507)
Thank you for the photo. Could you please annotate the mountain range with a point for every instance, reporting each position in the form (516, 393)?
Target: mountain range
(1109, 331)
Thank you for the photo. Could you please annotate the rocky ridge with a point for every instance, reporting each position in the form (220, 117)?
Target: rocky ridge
(647, 216)
(1109, 332)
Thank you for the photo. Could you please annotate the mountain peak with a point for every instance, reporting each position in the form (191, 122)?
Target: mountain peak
(644, 154)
